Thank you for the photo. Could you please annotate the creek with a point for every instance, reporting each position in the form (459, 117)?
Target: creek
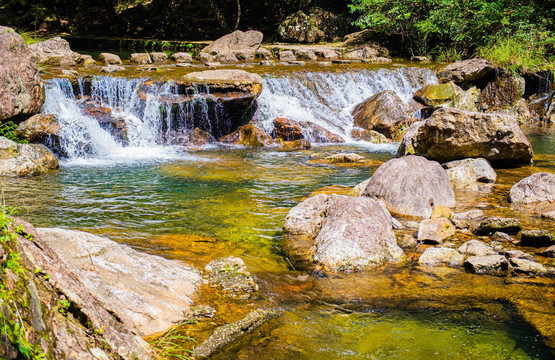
(197, 206)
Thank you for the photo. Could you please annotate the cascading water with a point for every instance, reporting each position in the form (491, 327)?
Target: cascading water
(324, 98)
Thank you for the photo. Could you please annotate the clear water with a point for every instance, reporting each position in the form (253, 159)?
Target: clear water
(162, 200)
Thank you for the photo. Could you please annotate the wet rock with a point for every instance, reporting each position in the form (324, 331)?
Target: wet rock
(448, 95)
(469, 215)
(384, 112)
(345, 158)
(465, 71)
(411, 186)
(540, 187)
(22, 93)
(158, 57)
(86, 60)
(191, 137)
(318, 134)
(490, 265)
(248, 135)
(435, 231)
(476, 248)
(537, 238)
(140, 58)
(42, 129)
(229, 333)
(109, 59)
(300, 144)
(451, 134)
(268, 63)
(442, 211)
(527, 267)
(503, 237)
(549, 252)
(147, 292)
(147, 68)
(492, 225)
(441, 257)
(362, 52)
(182, 57)
(199, 312)
(501, 93)
(518, 254)
(213, 64)
(112, 69)
(378, 60)
(116, 126)
(287, 55)
(25, 159)
(407, 242)
(341, 233)
(55, 52)
(371, 136)
(288, 130)
(231, 275)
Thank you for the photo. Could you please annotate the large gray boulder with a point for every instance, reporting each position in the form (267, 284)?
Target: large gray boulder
(25, 159)
(341, 233)
(539, 187)
(236, 46)
(21, 91)
(384, 112)
(148, 293)
(465, 71)
(55, 51)
(411, 186)
(451, 134)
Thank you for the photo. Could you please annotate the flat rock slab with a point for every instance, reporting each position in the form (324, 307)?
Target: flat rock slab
(441, 257)
(528, 267)
(492, 225)
(147, 292)
(491, 264)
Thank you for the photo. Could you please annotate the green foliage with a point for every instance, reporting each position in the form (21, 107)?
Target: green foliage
(451, 29)
(29, 37)
(63, 306)
(172, 345)
(7, 130)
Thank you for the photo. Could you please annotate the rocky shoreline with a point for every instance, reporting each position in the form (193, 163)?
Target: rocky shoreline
(453, 136)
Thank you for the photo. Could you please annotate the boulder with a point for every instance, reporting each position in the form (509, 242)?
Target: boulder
(226, 58)
(502, 237)
(539, 187)
(502, 92)
(140, 58)
(537, 238)
(287, 55)
(110, 69)
(205, 58)
(25, 159)
(190, 137)
(286, 129)
(116, 126)
(86, 60)
(528, 267)
(494, 224)
(40, 129)
(465, 71)
(411, 186)
(147, 293)
(182, 57)
(300, 144)
(55, 52)
(441, 257)
(235, 41)
(476, 248)
(451, 134)
(362, 52)
(341, 233)
(263, 54)
(385, 113)
(300, 28)
(549, 252)
(305, 54)
(231, 275)
(21, 91)
(467, 173)
(158, 57)
(318, 134)
(345, 158)
(109, 59)
(448, 95)
(248, 135)
(518, 254)
(420, 59)
(435, 231)
(490, 264)
(371, 136)
(329, 54)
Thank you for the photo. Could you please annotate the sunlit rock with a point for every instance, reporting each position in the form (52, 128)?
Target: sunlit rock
(25, 159)
(540, 187)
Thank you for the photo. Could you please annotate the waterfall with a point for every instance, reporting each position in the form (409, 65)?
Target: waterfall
(139, 119)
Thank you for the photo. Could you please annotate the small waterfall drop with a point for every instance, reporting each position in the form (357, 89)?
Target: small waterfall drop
(328, 98)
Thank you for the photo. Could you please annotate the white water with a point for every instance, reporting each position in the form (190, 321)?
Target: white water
(325, 98)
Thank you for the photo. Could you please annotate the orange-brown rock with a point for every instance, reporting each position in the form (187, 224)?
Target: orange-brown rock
(318, 134)
(248, 135)
(287, 130)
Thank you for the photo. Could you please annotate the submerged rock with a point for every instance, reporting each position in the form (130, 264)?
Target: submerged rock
(537, 238)
(441, 257)
(341, 233)
(25, 159)
(411, 186)
(22, 93)
(384, 112)
(345, 158)
(539, 187)
(494, 224)
(490, 264)
(148, 293)
(232, 276)
(451, 134)
(435, 231)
